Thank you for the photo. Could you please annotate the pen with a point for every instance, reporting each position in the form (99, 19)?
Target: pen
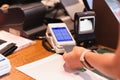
(83, 70)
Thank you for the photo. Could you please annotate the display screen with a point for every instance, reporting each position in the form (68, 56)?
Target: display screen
(61, 34)
(88, 4)
(86, 26)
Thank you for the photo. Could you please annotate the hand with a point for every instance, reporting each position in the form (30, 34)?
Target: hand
(72, 59)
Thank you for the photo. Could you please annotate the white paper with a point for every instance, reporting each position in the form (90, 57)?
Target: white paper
(20, 42)
(51, 68)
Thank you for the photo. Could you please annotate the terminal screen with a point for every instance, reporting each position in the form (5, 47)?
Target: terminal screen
(61, 34)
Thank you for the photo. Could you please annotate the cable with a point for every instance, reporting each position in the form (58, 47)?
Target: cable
(44, 41)
(44, 44)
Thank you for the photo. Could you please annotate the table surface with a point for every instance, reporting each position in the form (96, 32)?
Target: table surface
(24, 56)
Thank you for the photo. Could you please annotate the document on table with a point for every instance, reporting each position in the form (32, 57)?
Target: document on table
(20, 42)
(51, 68)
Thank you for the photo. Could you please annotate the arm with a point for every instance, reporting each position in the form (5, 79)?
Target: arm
(107, 63)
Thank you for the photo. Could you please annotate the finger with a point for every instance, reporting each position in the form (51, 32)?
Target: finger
(67, 68)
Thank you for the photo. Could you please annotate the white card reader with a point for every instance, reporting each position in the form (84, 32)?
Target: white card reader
(58, 35)
(5, 66)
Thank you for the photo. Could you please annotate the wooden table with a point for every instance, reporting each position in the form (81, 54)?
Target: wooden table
(24, 56)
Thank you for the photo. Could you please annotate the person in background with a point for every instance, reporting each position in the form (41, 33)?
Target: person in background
(107, 63)
(3, 10)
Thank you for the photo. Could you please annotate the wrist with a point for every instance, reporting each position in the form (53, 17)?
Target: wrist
(84, 61)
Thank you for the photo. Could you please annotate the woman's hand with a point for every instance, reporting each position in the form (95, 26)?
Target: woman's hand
(72, 59)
